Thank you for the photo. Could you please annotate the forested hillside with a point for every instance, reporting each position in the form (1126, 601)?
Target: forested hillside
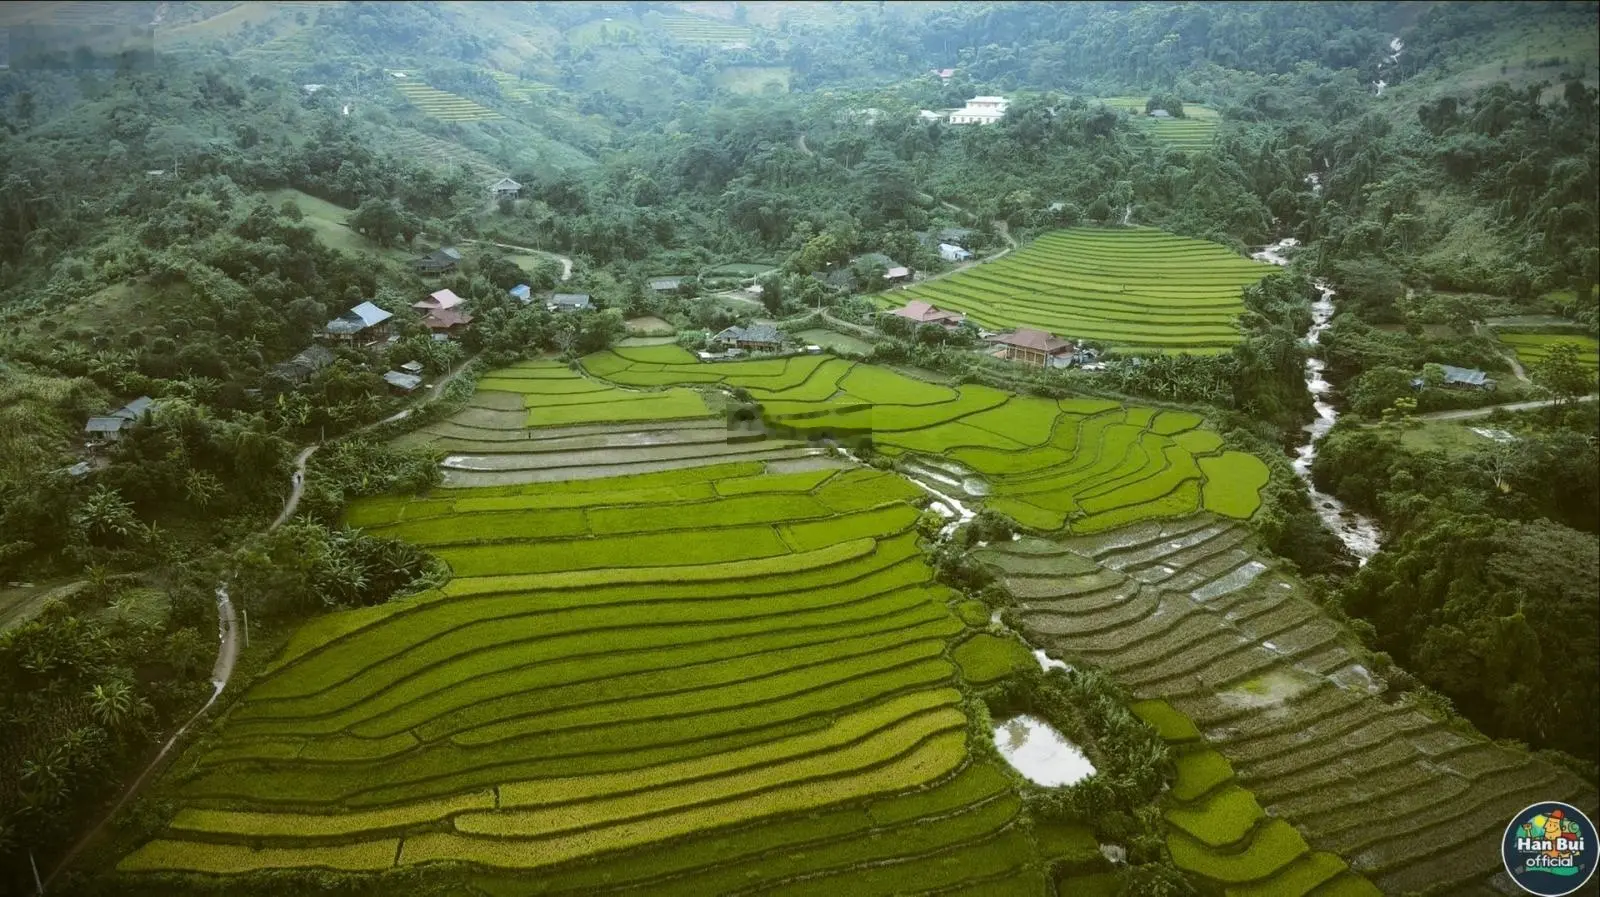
(181, 215)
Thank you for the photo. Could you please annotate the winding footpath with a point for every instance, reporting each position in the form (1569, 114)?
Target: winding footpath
(228, 627)
(566, 263)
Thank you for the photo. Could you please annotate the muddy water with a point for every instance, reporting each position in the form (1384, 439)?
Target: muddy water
(1358, 533)
(1039, 752)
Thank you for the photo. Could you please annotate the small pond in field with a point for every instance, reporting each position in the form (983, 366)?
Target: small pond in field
(1039, 752)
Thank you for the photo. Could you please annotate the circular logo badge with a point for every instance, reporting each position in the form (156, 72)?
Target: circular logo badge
(1549, 849)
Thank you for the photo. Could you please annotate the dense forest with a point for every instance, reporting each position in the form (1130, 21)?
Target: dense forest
(163, 233)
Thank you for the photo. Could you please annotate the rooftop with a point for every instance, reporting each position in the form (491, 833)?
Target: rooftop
(755, 333)
(1037, 340)
(924, 313)
(439, 299)
(570, 300)
(401, 381)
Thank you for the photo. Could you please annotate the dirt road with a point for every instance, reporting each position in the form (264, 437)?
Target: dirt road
(566, 263)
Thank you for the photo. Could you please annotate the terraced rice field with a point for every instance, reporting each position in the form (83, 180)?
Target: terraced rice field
(1276, 715)
(518, 89)
(1532, 348)
(1140, 290)
(416, 144)
(1083, 464)
(734, 678)
(1195, 131)
(443, 105)
(696, 30)
(541, 422)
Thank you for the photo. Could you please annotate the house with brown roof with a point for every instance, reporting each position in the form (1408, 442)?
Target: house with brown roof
(446, 322)
(924, 313)
(1034, 347)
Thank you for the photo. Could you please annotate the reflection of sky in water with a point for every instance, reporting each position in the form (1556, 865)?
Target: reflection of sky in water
(1039, 752)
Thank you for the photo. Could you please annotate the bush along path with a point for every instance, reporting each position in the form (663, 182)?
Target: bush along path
(1293, 761)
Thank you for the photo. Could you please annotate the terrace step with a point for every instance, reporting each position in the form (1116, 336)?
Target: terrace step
(1346, 766)
(1202, 572)
(1231, 537)
(1311, 707)
(1154, 551)
(1085, 604)
(1062, 587)
(1126, 614)
(1371, 736)
(1135, 536)
(1333, 727)
(1448, 800)
(1169, 621)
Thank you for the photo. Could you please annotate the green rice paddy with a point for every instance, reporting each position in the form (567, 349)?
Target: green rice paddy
(685, 682)
(1137, 289)
(1195, 131)
(717, 672)
(1081, 464)
(443, 105)
(1533, 348)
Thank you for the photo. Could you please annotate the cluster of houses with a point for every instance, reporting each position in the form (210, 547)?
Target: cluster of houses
(1023, 345)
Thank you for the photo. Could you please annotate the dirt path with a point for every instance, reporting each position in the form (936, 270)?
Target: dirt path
(228, 628)
(800, 143)
(1510, 357)
(1469, 413)
(566, 263)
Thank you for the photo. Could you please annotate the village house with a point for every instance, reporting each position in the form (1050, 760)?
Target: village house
(1160, 113)
(505, 188)
(1460, 378)
(363, 325)
(436, 301)
(755, 338)
(980, 111)
(402, 383)
(440, 261)
(950, 252)
(893, 271)
(1034, 347)
(569, 302)
(522, 293)
(666, 284)
(928, 115)
(446, 323)
(923, 313)
(109, 427)
(897, 274)
(945, 74)
(302, 366)
(412, 367)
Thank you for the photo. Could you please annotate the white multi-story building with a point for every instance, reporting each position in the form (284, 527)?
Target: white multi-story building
(981, 111)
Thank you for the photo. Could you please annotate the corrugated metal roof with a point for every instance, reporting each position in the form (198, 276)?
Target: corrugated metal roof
(406, 382)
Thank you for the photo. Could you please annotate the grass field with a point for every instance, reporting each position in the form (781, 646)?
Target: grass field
(328, 220)
(1137, 289)
(443, 105)
(1194, 131)
(1290, 763)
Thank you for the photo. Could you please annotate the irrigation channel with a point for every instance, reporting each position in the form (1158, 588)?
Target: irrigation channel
(1358, 533)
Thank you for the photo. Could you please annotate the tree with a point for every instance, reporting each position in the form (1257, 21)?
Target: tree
(1378, 389)
(381, 221)
(1562, 374)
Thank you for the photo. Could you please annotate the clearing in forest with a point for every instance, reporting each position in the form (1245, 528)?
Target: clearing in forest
(1136, 289)
(1194, 131)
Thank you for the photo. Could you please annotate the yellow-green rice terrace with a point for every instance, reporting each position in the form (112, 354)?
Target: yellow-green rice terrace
(677, 659)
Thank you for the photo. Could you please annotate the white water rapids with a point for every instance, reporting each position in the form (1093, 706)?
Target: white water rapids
(1358, 533)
